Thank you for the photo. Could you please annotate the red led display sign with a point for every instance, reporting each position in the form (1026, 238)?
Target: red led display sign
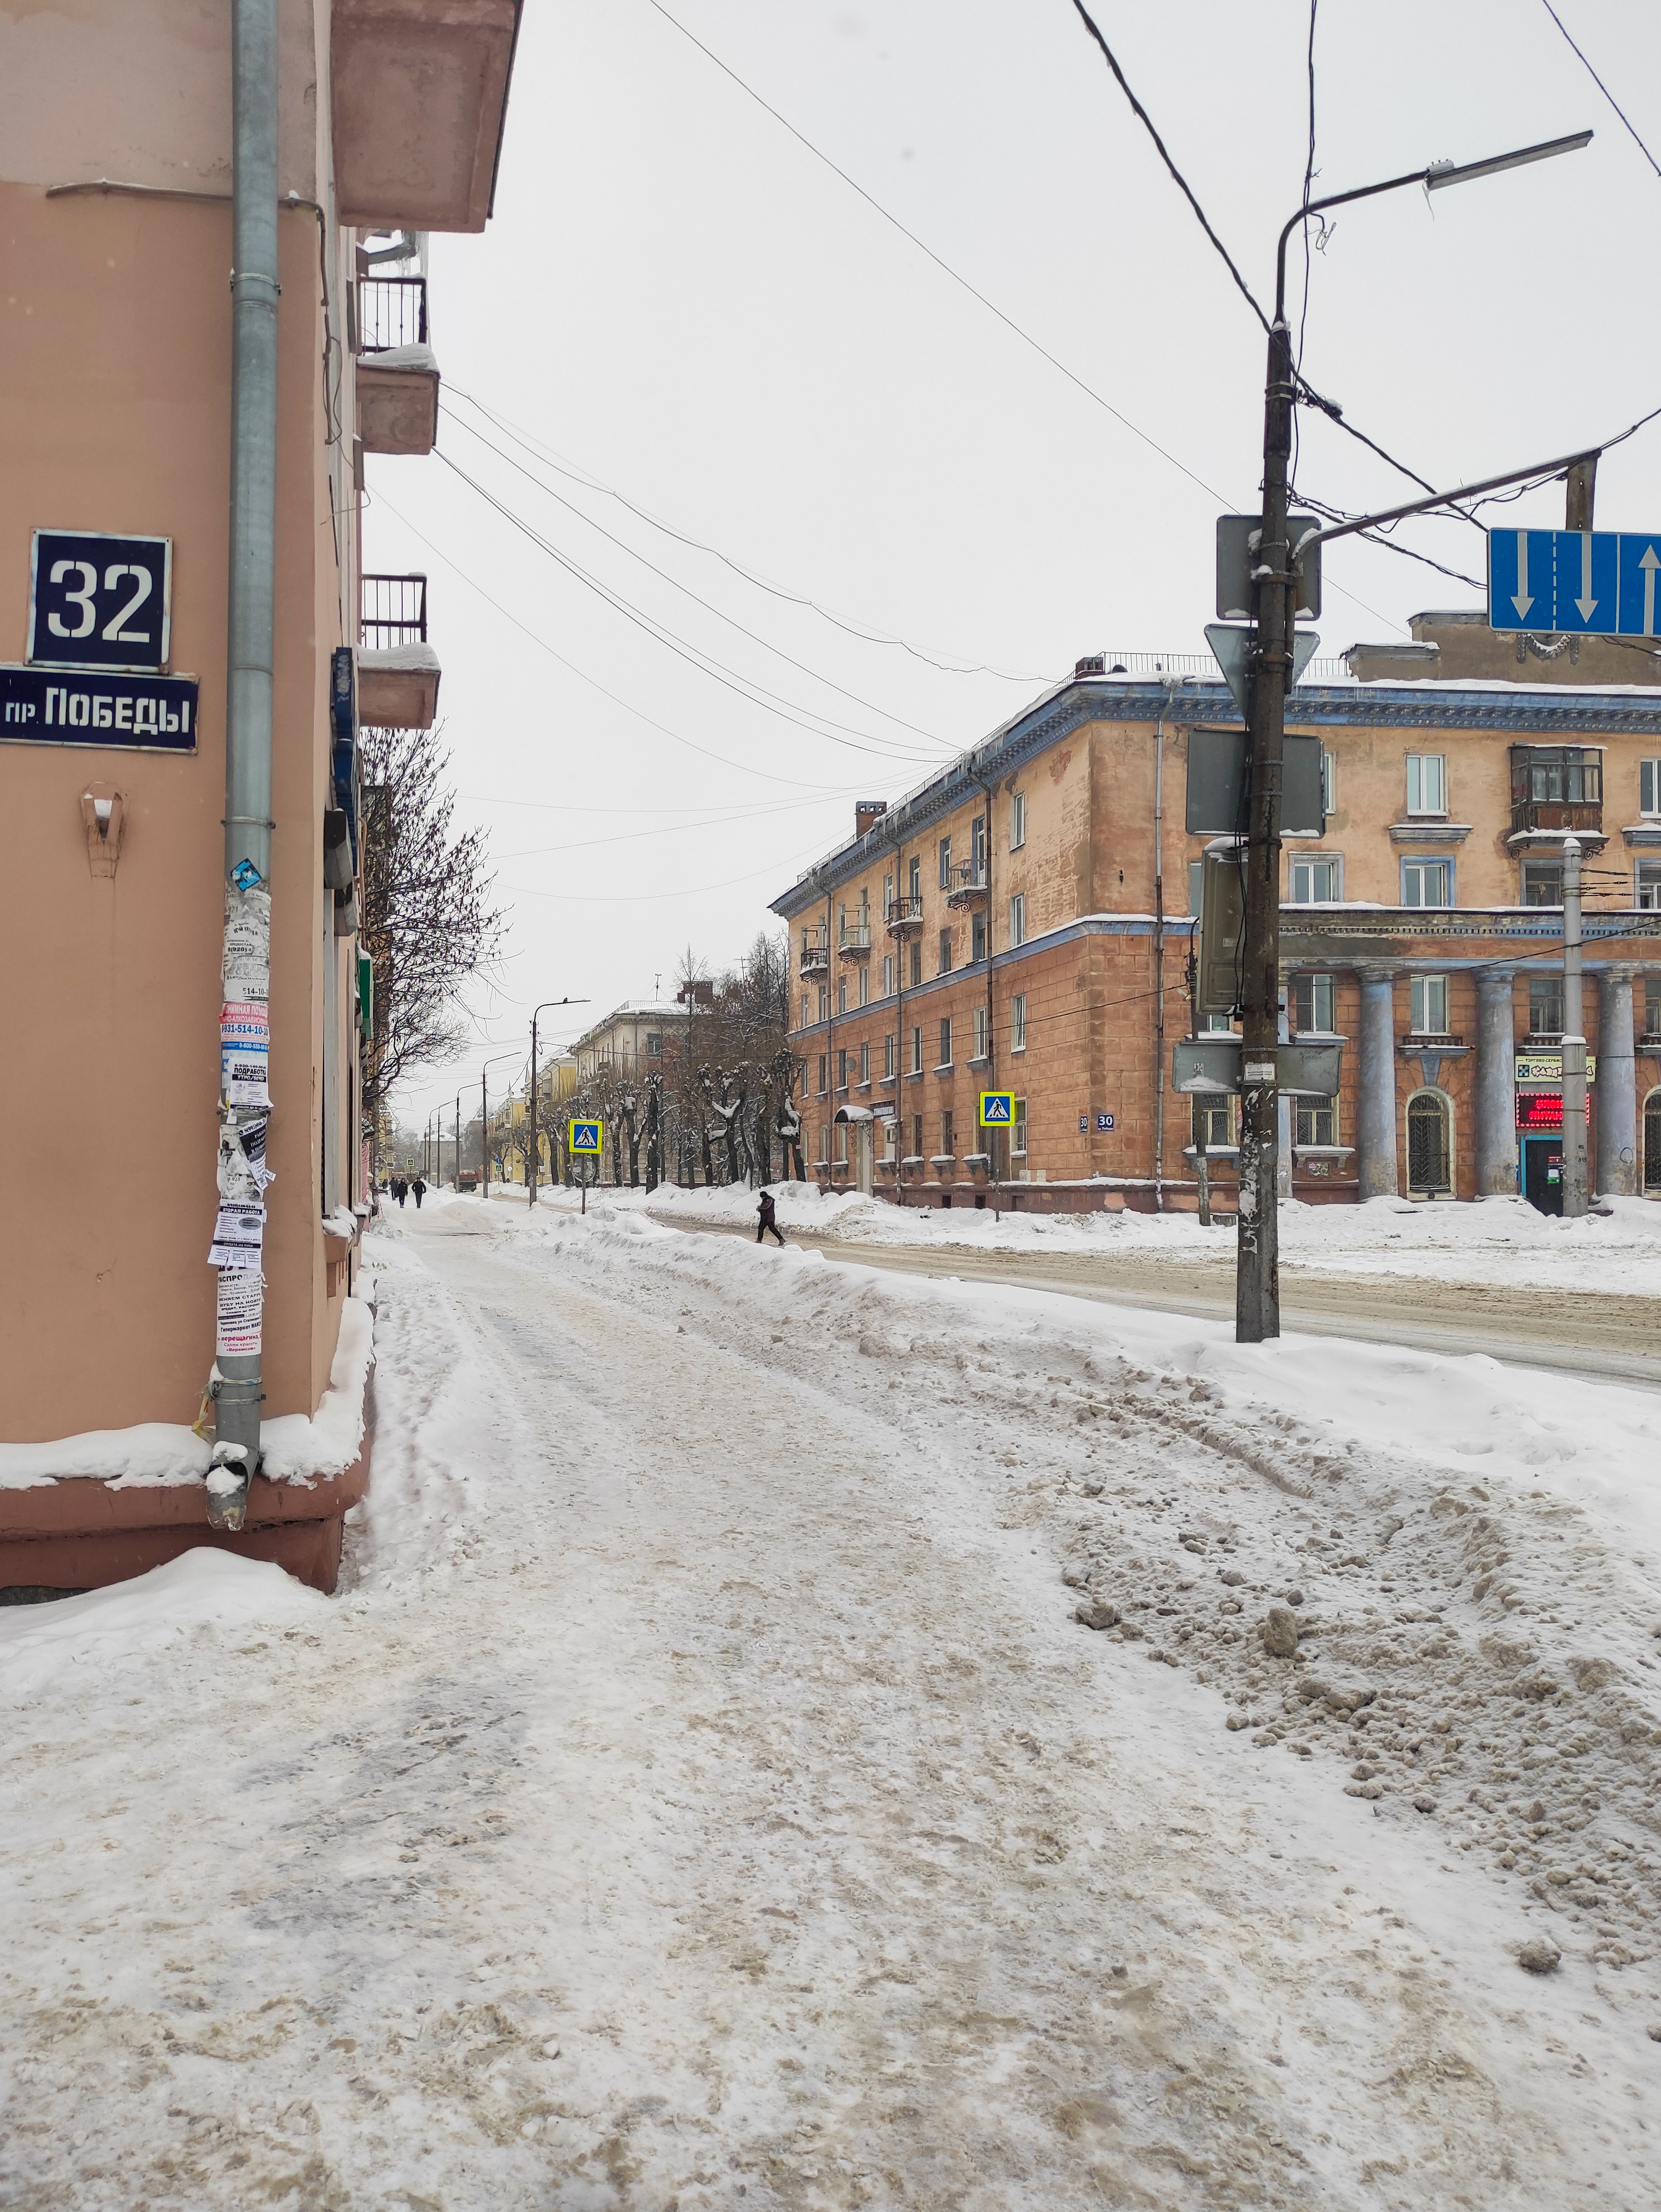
(1542, 1109)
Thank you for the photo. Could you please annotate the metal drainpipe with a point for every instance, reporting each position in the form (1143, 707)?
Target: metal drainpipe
(252, 593)
(991, 1034)
(899, 1032)
(1159, 950)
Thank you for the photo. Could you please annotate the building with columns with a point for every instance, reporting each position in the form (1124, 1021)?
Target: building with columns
(1022, 922)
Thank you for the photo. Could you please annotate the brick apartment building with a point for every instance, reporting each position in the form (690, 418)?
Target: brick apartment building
(1022, 922)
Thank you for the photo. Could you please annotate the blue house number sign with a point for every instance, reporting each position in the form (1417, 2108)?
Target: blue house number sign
(99, 602)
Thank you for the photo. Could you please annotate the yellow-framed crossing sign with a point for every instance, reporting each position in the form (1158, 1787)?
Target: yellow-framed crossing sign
(997, 1109)
(586, 1139)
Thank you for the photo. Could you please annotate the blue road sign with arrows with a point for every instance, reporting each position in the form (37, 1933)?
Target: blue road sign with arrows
(1593, 583)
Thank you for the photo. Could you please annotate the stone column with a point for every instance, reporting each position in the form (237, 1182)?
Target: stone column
(1496, 1085)
(1615, 1090)
(1375, 1133)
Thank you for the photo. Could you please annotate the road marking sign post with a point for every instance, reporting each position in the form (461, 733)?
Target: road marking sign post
(1586, 583)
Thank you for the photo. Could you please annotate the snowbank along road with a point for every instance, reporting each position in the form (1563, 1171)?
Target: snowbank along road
(707, 1790)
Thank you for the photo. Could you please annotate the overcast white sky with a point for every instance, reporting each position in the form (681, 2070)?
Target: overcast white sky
(679, 301)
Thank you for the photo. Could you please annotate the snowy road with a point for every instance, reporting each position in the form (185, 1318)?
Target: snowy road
(703, 1793)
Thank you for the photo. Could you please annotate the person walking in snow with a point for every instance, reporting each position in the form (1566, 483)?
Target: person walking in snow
(420, 1189)
(400, 1190)
(769, 1213)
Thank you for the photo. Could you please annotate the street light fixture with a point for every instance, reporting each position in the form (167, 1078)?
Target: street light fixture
(1257, 1275)
(536, 1151)
(484, 1120)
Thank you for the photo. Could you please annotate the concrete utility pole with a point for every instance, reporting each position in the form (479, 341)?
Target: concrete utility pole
(1257, 1275)
(534, 1170)
(484, 1120)
(1574, 1042)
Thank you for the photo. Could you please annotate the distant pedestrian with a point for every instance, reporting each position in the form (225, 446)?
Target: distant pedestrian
(420, 1190)
(400, 1190)
(769, 1213)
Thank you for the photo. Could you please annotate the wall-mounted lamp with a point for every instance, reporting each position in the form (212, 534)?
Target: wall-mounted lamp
(102, 811)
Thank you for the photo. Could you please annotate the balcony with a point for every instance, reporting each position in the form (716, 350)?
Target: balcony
(397, 369)
(815, 954)
(397, 671)
(1554, 790)
(854, 940)
(968, 886)
(905, 917)
(1556, 817)
(419, 95)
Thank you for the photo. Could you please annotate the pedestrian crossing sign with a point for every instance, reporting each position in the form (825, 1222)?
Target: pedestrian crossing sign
(997, 1109)
(584, 1138)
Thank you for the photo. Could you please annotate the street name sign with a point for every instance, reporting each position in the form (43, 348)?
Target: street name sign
(997, 1109)
(1590, 583)
(136, 714)
(583, 1137)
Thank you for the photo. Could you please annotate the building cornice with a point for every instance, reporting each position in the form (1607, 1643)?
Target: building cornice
(1542, 714)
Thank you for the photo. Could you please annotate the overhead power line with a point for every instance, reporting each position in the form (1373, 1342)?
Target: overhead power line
(589, 483)
(1602, 86)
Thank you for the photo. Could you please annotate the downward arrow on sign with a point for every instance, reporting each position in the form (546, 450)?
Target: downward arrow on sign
(1586, 603)
(1522, 598)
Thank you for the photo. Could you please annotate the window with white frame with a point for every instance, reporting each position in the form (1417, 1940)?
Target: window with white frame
(841, 995)
(888, 975)
(1312, 1003)
(825, 1002)
(825, 1063)
(980, 1033)
(1428, 997)
(1649, 787)
(841, 1068)
(1213, 1123)
(1018, 1022)
(1018, 1129)
(823, 1159)
(1329, 783)
(1216, 1025)
(945, 1060)
(1018, 919)
(865, 1064)
(890, 1057)
(1646, 885)
(865, 986)
(1426, 883)
(1428, 783)
(1317, 879)
(916, 1050)
(804, 1010)
(1018, 818)
(946, 864)
(842, 1144)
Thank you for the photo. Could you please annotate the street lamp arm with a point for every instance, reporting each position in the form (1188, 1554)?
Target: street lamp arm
(1434, 178)
(1440, 499)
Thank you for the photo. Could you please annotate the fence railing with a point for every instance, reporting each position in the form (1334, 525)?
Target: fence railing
(391, 310)
(393, 611)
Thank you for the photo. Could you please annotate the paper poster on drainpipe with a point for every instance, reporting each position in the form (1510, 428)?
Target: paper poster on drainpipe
(247, 959)
(238, 1330)
(238, 1234)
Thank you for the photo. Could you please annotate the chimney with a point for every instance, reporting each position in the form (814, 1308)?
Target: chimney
(1093, 664)
(865, 812)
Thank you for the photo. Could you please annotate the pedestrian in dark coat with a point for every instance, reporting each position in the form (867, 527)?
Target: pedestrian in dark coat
(420, 1189)
(769, 1213)
(400, 1188)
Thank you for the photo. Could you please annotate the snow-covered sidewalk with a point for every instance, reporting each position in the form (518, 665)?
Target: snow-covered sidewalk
(704, 1792)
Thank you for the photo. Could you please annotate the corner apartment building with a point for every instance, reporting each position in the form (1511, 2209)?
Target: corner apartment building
(117, 167)
(1022, 922)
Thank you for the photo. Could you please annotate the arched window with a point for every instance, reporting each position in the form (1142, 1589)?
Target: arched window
(1430, 1143)
(1652, 1142)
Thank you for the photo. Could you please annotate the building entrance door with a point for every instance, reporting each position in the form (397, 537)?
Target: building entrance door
(1542, 1173)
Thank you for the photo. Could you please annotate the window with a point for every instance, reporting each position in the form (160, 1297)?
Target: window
(946, 864)
(945, 1060)
(1426, 883)
(825, 1002)
(916, 960)
(1315, 882)
(865, 986)
(980, 1033)
(1018, 817)
(1429, 998)
(1329, 782)
(841, 1142)
(1216, 1025)
(825, 1066)
(842, 995)
(949, 1135)
(977, 849)
(864, 1063)
(823, 1159)
(1569, 773)
(1651, 1007)
(891, 1138)
(914, 878)
(1429, 1151)
(916, 1136)
(1196, 885)
(1316, 1121)
(917, 1052)
(801, 1077)
(887, 892)
(1018, 1022)
(841, 1068)
(1646, 885)
(977, 936)
(804, 1010)
(944, 968)
(1649, 787)
(1545, 1006)
(653, 1044)
(1214, 1124)
(1543, 882)
(1018, 1129)
(1018, 919)
(1312, 1004)
(1652, 1141)
(890, 1057)
(1428, 783)
(888, 975)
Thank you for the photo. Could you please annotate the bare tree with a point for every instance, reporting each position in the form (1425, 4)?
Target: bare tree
(429, 920)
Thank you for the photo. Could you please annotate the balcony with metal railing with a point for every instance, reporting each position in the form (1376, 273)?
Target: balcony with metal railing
(854, 939)
(397, 369)
(969, 886)
(1556, 790)
(815, 952)
(905, 917)
(398, 669)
